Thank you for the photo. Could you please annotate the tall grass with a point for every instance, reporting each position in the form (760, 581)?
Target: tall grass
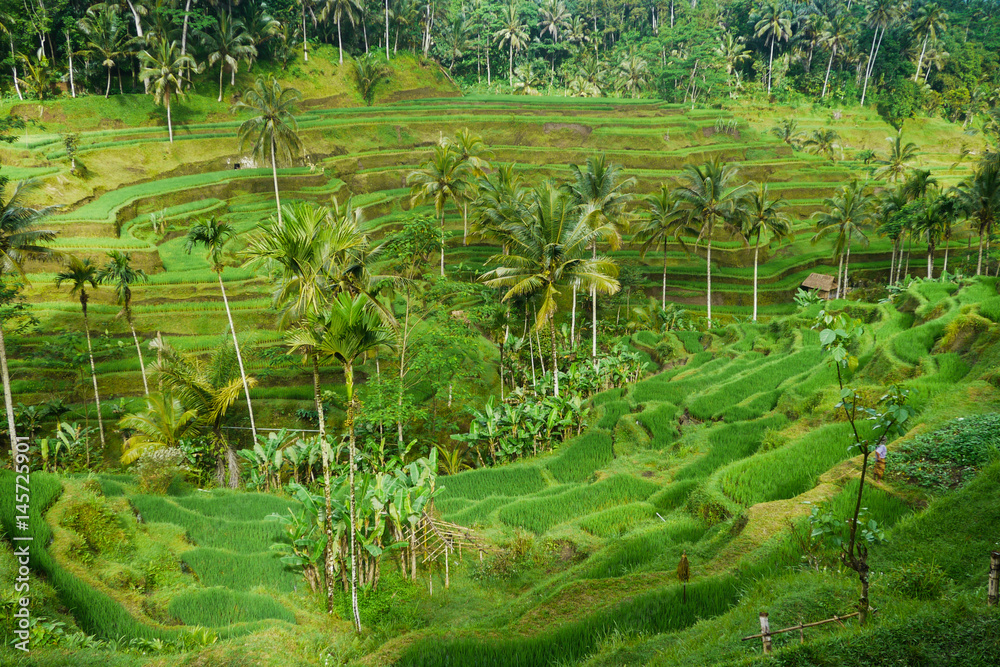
(240, 571)
(479, 512)
(483, 482)
(540, 514)
(209, 531)
(613, 411)
(219, 607)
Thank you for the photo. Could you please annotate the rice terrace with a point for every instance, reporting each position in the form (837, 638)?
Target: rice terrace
(507, 333)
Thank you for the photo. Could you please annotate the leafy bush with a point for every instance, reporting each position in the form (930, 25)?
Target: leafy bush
(950, 456)
(158, 469)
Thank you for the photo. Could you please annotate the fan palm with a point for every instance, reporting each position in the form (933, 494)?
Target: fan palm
(272, 131)
(547, 251)
(762, 215)
(120, 273)
(665, 223)
(602, 193)
(711, 199)
(849, 212)
(162, 424)
(213, 235)
(445, 176)
(227, 44)
(20, 240)
(79, 273)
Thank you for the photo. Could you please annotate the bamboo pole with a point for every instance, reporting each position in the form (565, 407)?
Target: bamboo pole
(765, 632)
(993, 595)
(835, 619)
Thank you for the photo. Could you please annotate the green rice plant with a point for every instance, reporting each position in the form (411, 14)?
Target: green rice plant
(673, 495)
(236, 506)
(659, 420)
(730, 442)
(656, 547)
(629, 436)
(879, 504)
(617, 521)
(219, 607)
(913, 344)
(951, 367)
(790, 470)
(241, 571)
(608, 395)
(584, 454)
(691, 341)
(990, 308)
(478, 513)
(521, 480)
(756, 406)
(448, 506)
(612, 412)
(208, 531)
(655, 611)
(540, 514)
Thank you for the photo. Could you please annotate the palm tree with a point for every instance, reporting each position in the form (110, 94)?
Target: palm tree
(932, 222)
(473, 151)
(20, 240)
(978, 197)
(666, 223)
(272, 131)
(887, 209)
(899, 159)
(444, 176)
(80, 272)
(762, 214)
(881, 14)
(213, 235)
(105, 33)
(227, 44)
(823, 142)
(208, 388)
(788, 131)
(553, 18)
(602, 194)
(711, 198)
(369, 72)
(163, 423)
(167, 69)
(774, 24)
(633, 74)
(120, 272)
(340, 9)
(514, 33)
(548, 251)
(930, 19)
(352, 330)
(849, 213)
(837, 35)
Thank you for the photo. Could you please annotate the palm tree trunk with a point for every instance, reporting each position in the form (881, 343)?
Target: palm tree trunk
(465, 223)
(138, 351)
(170, 124)
(770, 70)
(593, 312)
(663, 297)
(184, 30)
(847, 265)
(234, 467)
(387, 29)
(572, 325)
(756, 249)
(979, 265)
(69, 54)
(8, 401)
(93, 375)
(239, 357)
(909, 249)
(840, 271)
(442, 241)
(930, 259)
(340, 48)
(892, 261)
(222, 68)
(826, 80)
(510, 64)
(349, 381)
(555, 357)
(17, 87)
(920, 60)
(944, 269)
(328, 554)
(274, 172)
(710, 283)
(107, 91)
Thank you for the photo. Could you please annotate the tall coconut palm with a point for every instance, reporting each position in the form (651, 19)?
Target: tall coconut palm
(665, 223)
(547, 251)
(352, 330)
(162, 424)
(213, 235)
(602, 193)
(20, 240)
(848, 214)
(120, 273)
(886, 215)
(881, 14)
(931, 222)
(227, 44)
(339, 10)
(836, 37)
(473, 151)
(79, 273)
(762, 215)
(208, 388)
(901, 155)
(167, 69)
(712, 201)
(978, 197)
(823, 142)
(930, 19)
(272, 132)
(105, 36)
(774, 24)
(445, 176)
(514, 33)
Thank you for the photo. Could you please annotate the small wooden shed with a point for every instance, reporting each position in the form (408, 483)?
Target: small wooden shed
(825, 285)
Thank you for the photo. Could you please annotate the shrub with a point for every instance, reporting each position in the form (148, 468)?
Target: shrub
(950, 456)
(158, 469)
(919, 580)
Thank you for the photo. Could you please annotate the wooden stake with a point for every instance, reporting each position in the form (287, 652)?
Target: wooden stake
(993, 595)
(446, 582)
(765, 632)
(802, 632)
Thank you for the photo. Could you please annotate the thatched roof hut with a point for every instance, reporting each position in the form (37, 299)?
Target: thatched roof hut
(825, 285)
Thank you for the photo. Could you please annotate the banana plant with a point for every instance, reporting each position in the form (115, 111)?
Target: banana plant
(306, 540)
